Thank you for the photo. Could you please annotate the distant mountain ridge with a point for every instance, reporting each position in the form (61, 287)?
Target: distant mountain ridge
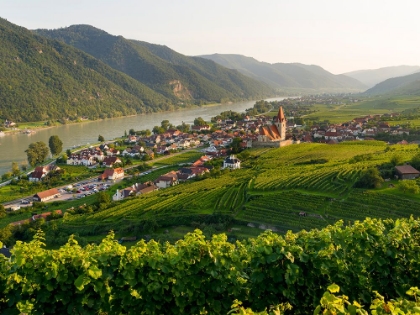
(372, 77)
(174, 75)
(288, 75)
(406, 85)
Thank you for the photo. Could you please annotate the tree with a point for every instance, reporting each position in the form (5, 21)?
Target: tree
(183, 127)
(415, 161)
(6, 176)
(103, 198)
(101, 138)
(68, 153)
(128, 161)
(2, 211)
(37, 153)
(24, 166)
(63, 159)
(55, 144)
(132, 132)
(370, 179)
(199, 122)
(409, 186)
(15, 169)
(236, 145)
(397, 160)
(165, 124)
(158, 130)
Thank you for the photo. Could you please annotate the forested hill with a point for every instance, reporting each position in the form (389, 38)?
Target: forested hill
(406, 85)
(44, 79)
(288, 76)
(176, 76)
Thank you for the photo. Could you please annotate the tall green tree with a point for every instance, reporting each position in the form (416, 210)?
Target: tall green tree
(101, 138)
(37, 153)
(15, 169)
(165, 124)
(55, 144)
(183, 127)
(199, 122)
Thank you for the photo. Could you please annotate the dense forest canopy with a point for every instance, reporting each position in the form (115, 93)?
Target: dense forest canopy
(178, 77)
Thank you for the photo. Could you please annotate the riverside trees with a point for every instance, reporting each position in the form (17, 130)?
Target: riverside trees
(56, 145)
(37, 153)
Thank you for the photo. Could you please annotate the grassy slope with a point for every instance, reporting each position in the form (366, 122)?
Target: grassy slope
(272, 188)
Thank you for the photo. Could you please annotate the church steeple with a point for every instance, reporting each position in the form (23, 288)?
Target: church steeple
(280, 115)
(280, 122)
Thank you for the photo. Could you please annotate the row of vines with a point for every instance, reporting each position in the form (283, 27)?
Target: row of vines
(200, 276)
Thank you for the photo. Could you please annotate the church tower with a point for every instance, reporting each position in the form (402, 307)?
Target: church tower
(280, 123)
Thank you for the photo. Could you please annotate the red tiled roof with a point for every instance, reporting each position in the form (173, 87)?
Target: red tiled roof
(406, 169)
(48, 193)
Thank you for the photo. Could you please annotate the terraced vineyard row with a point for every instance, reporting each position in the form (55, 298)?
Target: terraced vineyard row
(231, 200)
(282, 209)
(334, 179)
(185, 198)
(360, 205)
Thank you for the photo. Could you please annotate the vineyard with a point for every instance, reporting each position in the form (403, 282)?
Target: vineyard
(298, 273)
(297, 187)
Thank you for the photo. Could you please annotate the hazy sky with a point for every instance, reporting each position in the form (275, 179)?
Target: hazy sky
(339, 35)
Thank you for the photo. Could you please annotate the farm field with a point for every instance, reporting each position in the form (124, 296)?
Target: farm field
(278, 189)
(346, 112)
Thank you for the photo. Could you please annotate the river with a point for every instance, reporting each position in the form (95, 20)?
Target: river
(13, 146)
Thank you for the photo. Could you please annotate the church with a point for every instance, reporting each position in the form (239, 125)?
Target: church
(274, 135)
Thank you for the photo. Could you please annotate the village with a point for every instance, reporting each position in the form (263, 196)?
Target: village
(221, 140)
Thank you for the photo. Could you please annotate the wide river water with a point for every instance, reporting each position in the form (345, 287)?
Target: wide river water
(13, 146)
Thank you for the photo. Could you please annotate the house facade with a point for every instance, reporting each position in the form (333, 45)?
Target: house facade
(112, 174)
(232, 162)
(46, 195)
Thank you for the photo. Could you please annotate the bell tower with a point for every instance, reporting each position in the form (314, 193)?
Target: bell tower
(280, 123)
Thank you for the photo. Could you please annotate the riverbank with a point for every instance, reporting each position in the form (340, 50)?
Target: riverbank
(42, 125)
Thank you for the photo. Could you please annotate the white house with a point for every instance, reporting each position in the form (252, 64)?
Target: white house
(232, 162)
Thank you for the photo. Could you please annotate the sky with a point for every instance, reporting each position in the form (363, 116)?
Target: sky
(338, 35)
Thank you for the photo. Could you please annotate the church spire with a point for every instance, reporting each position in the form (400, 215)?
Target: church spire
(280, 115)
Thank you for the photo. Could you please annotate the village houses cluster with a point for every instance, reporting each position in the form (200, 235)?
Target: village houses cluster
(361, 128)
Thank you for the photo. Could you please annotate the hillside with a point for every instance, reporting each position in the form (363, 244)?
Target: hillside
(176, 76)
(45, 79)
(271, 189)
(406, 85)
(289, 76)
(374, 76)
